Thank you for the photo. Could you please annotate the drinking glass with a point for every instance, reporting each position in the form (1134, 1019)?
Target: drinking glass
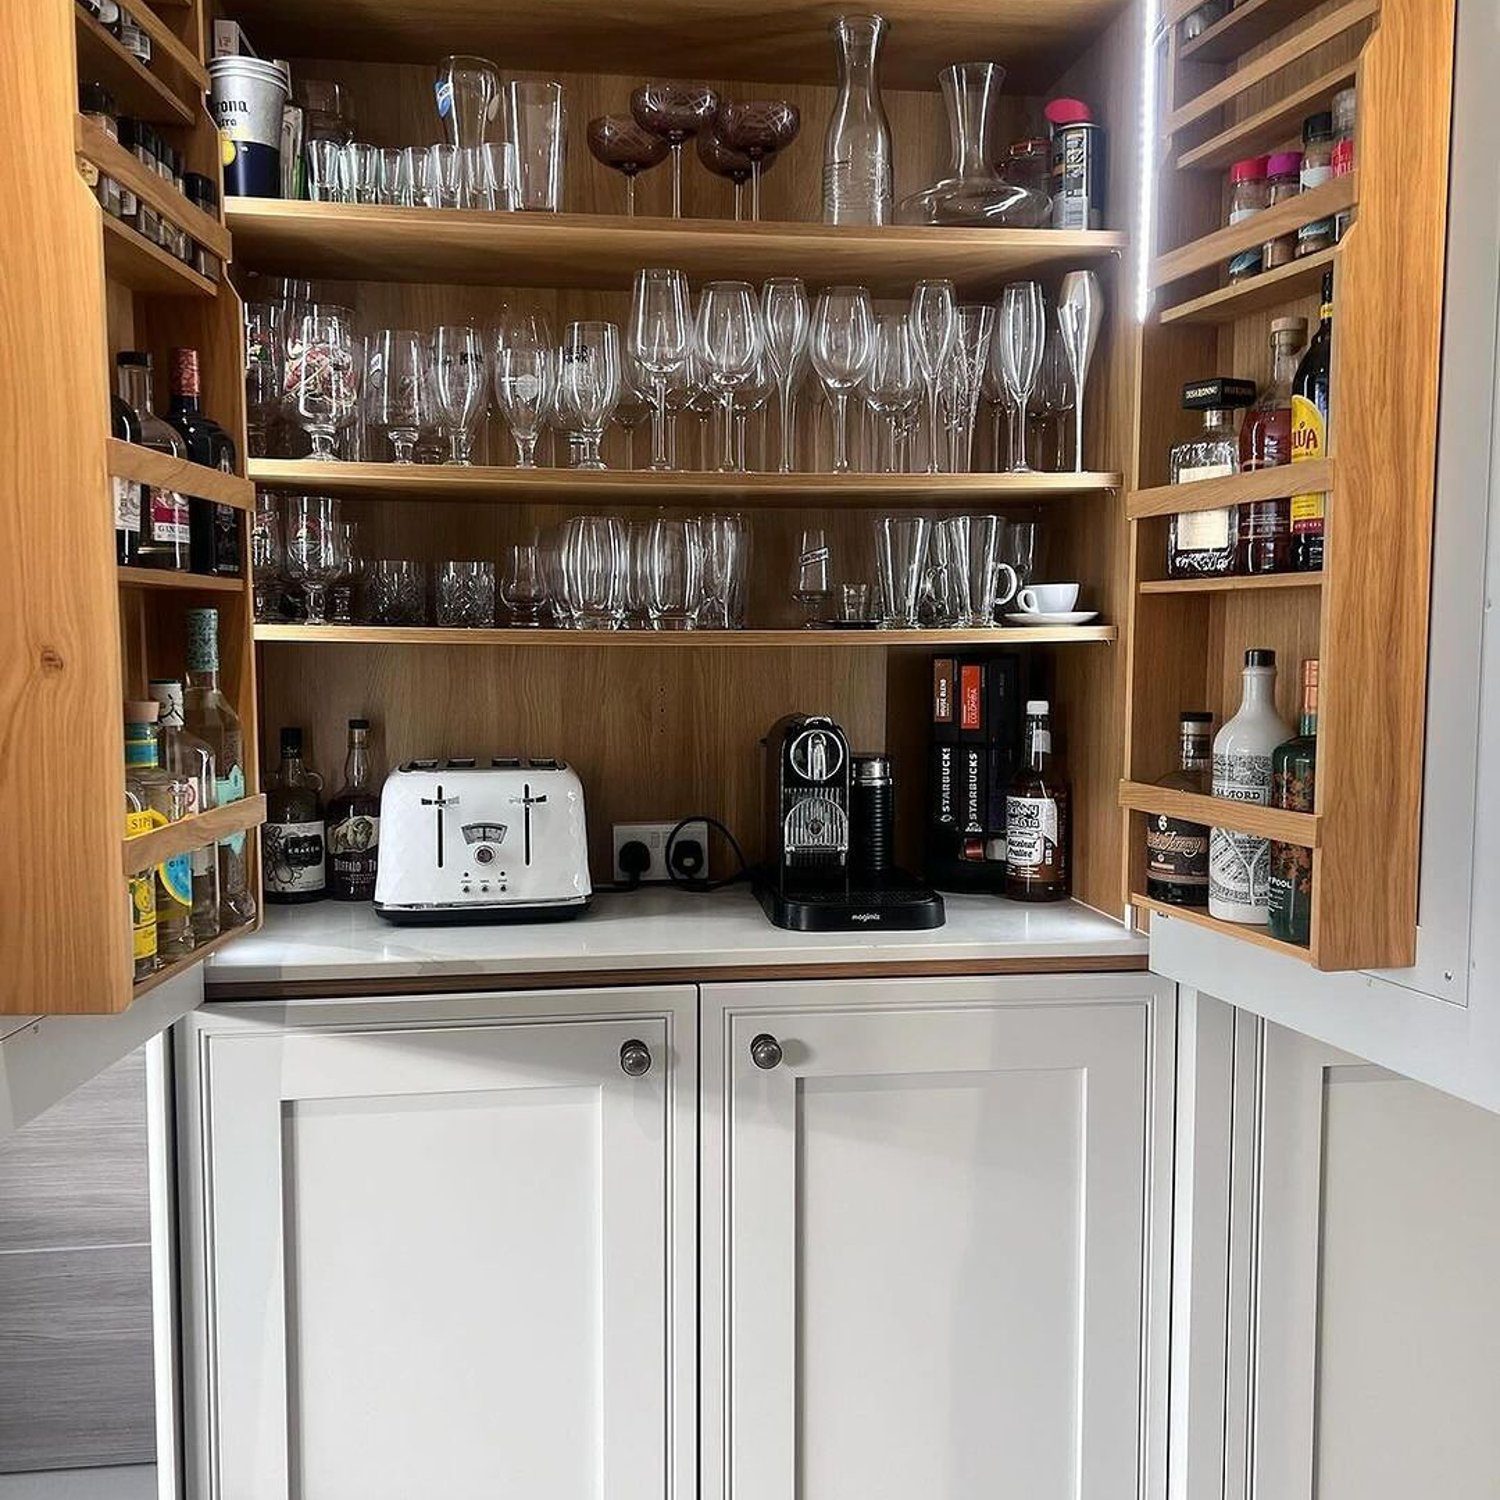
(724, 540)
(617, 141)
(263, 356)
(986, 578)
(539, 126)
(396, 389)
(325, 172)
(854, 603)
(477, 176)
(1023, 329)
(446, 172)
(1054, 394)
(496, 161)
(674, 568)
(461, 378)
(523, 587)
(750, 398)
(636, 615)
(321, 377)
(676, 112)
(360, 165)
(843, 336)
(396, 590)
(758, 127)
(345, 582)
(1080, 311)
(416, 180)
(468, 98)
(810, 584)
(313, 550)
(1020, 553)
(891, 384)
(524, 373)
(661, 333)
(267, 556)
(724, 161)
(932, 323)
(900, 556)
(588, 383)
(730, 339)
(787, 319)
(395, 179)
(465, 594)
(593, 566)
(973, 331)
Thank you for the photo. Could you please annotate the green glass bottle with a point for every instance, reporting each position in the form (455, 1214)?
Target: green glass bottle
(1293, 773)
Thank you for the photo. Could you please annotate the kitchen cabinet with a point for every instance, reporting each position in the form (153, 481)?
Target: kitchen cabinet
(437, 1248)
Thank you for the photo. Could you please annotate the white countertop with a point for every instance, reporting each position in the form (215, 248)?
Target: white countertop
(650, 930)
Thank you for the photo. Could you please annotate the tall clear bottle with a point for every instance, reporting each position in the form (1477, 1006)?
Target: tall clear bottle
(185, 755)
(209, 714)
(857, 177)
(164, 541)
(160, 798)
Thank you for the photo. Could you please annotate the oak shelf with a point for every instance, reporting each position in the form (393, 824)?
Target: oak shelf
(428, 635)
(378, 242)
(512, 486)
(1274, 288)
(182, 582)
(1249, 24)
(166, 49)
(149, 849)
(1302, 829)
(1233, 489)
(138, 91)
(1257, 937)
(191, 960)
(147, 466)
(132, 260)
(1233, 584)
(1271, 126)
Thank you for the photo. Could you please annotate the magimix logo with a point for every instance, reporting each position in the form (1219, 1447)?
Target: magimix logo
(865, 916)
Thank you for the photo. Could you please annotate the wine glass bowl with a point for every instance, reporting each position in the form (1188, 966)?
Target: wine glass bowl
(676, 112)
(622, 144)
(758, 128)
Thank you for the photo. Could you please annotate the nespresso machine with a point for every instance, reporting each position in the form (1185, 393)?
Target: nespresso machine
(830, 823)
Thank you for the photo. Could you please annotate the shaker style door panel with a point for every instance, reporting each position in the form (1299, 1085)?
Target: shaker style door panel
(927, 1220)
(440, 1259)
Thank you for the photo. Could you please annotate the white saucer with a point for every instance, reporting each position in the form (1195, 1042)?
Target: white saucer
(1068, 617)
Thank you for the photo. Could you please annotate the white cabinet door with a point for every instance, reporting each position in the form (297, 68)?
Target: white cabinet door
(930, 1239)
(446, 1254)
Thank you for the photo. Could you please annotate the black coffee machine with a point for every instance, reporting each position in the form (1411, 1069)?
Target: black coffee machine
(829, 827)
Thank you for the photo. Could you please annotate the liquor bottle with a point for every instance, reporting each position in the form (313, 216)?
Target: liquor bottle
(185, 755)
(125, 425)
(164, 516)
(141, 892)
(1266, 442)
(294, 836)
(1310, 435)
(1293, 774)
(857, 181)
(1176, 849)
(163, 798)
(1205, 543)
(354, 824)
(215, 546)
(1036, 817)
(209, 714)
(1239, 863)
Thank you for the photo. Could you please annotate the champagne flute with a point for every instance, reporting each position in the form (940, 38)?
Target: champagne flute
(661, 333)
(1023, 329)
(891, 386)
(1056, 387)
(396, 389)
(843, 334)
(932, 322)
(730, 341)
(1080, 310)
(588, 383)
(971, 351)
(787, 318)
(460, 378)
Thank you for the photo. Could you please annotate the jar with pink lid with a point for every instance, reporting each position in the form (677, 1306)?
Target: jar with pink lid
(1283, 181)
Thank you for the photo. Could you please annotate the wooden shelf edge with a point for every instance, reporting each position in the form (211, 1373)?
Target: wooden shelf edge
(192, 960)
(1302, 829)
(177, 582)
(1299, 278)
(431, 635)
(163, 42)
(131, 259)
(1266, 126)
(1249, 24)
(1233, 584)
(92, 37)
(1233, 489)
(146, 466)
(1244, 932)
(192, 833)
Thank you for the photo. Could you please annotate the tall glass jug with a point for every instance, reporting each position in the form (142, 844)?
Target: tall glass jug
(857, 148)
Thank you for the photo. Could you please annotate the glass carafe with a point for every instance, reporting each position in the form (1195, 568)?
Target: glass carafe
(974, 192)
(857, 149)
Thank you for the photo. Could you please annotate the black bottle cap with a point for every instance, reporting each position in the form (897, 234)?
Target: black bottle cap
(1258, 656)
(359, 723)
(133, 358)
(1195, 716)
(1221, 393)
(1317, 125)
(291, 743)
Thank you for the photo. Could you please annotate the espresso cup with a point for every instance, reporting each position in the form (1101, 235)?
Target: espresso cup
(1047, 598)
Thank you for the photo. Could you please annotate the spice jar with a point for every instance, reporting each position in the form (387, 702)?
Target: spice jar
(1342, 156)
(1247, 195)
(1196, 22)
(1028, 164)
(96, 103)
(1283, 181)
(1317, 150)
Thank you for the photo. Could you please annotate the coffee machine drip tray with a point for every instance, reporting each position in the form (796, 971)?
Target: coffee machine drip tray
(890, 902)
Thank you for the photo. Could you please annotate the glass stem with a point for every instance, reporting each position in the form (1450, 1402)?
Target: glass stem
(676, 179)
(1015, 460)
(659, 425)
(726, 464)
(840, 432)
(630, 194)
(739, 200)
(525, 451)
(315, 595)
(934, 426)
(755, 190)
(787, 434)
(1078, 435)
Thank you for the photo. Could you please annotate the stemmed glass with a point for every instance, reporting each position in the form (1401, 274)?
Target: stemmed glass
(588, 384)
(843, 335)
(321, 380)
(525, 371)
(313, 550)
(758, 127)
(971, 351)
(1054, 393)
(675, 112)
(618, 141)
(810, 586)
(661, 333)
(267, 556)
(461, 380)
(1023, 328)
(396, 389)
(932, 324)
(263, 356)
(350, 566)
(730, 339)
(891, 384)
(724, 161)
(786, 316)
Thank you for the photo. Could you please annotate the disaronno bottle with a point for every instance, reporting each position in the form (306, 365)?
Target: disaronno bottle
(1036, 818)
(1239, 863)
(1203, 543)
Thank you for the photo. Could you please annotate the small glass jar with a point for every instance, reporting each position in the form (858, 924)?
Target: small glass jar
(1283, 181)
(1311, 238)
(1028, 164)
(1248, 195)
(1196, 22)
(96, 103)
(1317, 150)
(1342, 155)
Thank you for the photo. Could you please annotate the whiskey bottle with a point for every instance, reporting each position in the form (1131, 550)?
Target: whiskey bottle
(1239, 863)
(214, 528)
(1310, 435)
(1204, 543)
(1176, 849)
(1265, 443)
(162, 798)
(186, 756)
(164, 514)
(354, 824)
(1293, 774)
(1037, 817)
(293, 840)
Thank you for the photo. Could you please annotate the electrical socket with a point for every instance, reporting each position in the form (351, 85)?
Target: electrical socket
(654, 837)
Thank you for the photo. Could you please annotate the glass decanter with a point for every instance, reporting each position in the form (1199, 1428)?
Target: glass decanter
(857, 147)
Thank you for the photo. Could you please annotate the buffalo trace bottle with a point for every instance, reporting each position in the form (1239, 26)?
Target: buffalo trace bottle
(1310, 435)
(1293, 772)
(1265, 443)
(1204, 543)
(1036, 817)
(293, 840)
(1239, 863)
(354, 824)
(1176, 849)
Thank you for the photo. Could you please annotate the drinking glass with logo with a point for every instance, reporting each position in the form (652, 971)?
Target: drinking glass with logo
(314, 548)
(461, 379)
(322, 373)
(396, 393)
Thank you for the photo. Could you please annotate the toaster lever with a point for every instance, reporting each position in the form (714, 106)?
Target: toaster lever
(440, 802)
(527, 802)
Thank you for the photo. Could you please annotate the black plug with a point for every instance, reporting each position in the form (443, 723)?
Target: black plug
(688, 860)
(635, 860)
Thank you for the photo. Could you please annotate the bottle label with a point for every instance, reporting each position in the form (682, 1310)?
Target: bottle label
(294, 857)
(1238, 868)
(353, 851)
(1243, 776)
(169, 516)
(127, 505)
(1203, 530)
(231, 788)
(1316, 175)
(1342, 158)
(1309, 441)
(1033, 828)
(1203, 471)
(174, 877)
(142, 918)
(1246, 263)
(1177, 852)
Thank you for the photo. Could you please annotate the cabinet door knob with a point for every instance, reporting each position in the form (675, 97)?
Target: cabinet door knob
(765, 1051)
(635, 1057)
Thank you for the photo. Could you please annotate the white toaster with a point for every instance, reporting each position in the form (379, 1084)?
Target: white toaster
(465, 840)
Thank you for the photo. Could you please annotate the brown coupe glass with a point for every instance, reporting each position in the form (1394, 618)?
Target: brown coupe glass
(759, 128)
(618, 142)
(724, 161)
(675, 112)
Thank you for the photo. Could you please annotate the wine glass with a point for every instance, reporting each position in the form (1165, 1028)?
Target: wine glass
(974, 330)
(460, 378)
(524, 374)
(396, 389)
(522, 585)
(891, 383)
(932, 324)
(724, 161)
(321, 378)
(1023, 328)
(1054, 392)
(588, 383)
(618, 141)
(675, 112)
(810, 582)
(730, 339)
(787, 319)
(843, 336)
(1080, 311)
(634, 406)
(263, 356)
(661, 333)
(758, 127)
(313, 550)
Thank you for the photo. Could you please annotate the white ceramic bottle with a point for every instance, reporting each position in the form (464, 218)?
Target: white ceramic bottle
(1239, 864)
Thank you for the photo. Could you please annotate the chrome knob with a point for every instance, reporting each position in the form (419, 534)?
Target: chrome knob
(765, 1051)
(635, 1058)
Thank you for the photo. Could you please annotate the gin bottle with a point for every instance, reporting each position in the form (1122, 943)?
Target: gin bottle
(186, 756)
(1293, 777)
(857, 181)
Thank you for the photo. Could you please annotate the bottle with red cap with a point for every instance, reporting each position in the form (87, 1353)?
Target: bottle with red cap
(1249, 193)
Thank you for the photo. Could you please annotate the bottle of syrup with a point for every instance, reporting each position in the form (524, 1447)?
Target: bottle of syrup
(1266, 443)
(1037, 817)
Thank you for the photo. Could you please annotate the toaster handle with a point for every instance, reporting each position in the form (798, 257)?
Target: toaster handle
(635, 1058)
